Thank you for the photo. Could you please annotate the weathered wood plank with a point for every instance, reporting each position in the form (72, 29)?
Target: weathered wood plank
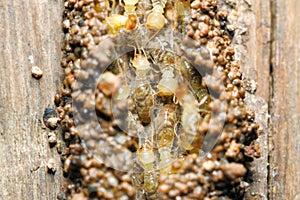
(285, 108)
(30, 35)
(254, 55)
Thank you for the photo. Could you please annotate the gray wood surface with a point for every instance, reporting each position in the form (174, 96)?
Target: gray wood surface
(255, 64)
(285, 97)
(30, 35)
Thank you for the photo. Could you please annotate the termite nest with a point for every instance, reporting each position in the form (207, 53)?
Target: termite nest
(152, 103)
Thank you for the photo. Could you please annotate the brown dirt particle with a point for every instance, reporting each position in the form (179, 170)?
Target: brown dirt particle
(36, 72)
(52, 138)
(50, 166)
(204, 29)
(52, 122)
(233, 170)
(234, 150)
(196, 4)
(164, 188)
(208, 165)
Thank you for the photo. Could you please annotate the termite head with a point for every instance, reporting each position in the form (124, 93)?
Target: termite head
(115, 22)
(145, 154)
(131, 2)
(168, 84)
(130, 6)
(141, 64)
(131, 22)
(156, 21)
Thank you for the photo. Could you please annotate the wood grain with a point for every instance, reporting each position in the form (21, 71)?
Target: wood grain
(30, 35)
(256, 66)
(285, 108)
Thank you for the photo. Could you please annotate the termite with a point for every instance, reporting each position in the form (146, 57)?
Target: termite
(128, 20)
(156, 20)
(165, 132)
(190, 139)
(143, 92)
(146, 159)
